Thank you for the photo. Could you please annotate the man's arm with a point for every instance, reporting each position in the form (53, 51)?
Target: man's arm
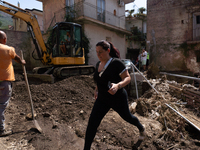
(143, 54)
(19, 60)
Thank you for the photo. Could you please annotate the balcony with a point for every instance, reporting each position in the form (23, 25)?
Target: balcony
(128, 1)
(86, 12)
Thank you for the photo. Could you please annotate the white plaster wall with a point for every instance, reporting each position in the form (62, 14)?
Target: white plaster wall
(93, 2)
(110, 6)
(119, 19)
(96, 33)
(113, 4)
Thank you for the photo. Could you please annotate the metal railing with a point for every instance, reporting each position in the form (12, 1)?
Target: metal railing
(88, 10)
(181, 76)
(85, 9)
(135, 68)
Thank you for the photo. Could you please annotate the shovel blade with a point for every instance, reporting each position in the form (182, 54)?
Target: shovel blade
(37, 126)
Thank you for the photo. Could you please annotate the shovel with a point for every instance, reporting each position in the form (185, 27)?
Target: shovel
(29, 92)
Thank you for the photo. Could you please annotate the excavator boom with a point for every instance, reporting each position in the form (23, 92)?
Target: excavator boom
(64, 55)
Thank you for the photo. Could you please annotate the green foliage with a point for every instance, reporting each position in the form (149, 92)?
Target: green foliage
(137, 35)
(141, 10)
(130, 13)
(70, 14)
(140, 16)
(6, 20)
(0, 23)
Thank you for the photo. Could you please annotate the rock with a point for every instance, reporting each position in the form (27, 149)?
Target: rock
(29, 116)
(46, 114)
(133, 107)
(22, 113)
(69, 102)
(81, 112)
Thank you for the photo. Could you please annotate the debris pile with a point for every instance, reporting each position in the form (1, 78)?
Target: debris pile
(172, 93)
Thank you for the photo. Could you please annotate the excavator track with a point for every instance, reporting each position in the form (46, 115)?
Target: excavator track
(49, 74)
(63, 72)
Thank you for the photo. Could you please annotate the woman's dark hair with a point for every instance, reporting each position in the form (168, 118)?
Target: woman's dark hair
(114, 52)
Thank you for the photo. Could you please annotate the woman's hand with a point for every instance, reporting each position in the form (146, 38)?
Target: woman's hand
(95, 93)
(125, 81)
(114, 88)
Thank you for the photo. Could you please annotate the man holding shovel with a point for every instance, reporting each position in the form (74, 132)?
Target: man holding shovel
(7, 54)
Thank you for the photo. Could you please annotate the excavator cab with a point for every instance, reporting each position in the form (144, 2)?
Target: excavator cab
(66, 42)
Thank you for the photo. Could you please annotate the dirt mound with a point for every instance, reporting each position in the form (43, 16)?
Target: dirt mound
(63, 110)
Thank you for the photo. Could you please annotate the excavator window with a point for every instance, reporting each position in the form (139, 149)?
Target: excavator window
(65, 42)
(52, 44)
(70, 41)
(78, 41)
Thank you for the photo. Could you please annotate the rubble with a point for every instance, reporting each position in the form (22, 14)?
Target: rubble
(178, 97)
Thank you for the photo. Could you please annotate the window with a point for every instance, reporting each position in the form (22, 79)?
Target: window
(70, 8)
(114, 12)
(101, 10)
(52, 44)
(77, 41)
(198, 19)
(196, 26)
(198, 55)
(69, 2)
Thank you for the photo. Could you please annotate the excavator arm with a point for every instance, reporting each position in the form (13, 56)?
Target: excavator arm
(62, 59)
(34, 28)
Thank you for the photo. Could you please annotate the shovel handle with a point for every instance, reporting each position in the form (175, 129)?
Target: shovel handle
(27, 85)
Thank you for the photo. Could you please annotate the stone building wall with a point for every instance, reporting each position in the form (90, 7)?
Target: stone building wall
(170, 25)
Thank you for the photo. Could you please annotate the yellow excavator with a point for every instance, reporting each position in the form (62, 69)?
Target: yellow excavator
(64, 55)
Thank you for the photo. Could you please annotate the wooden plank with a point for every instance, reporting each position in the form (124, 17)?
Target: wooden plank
(196, 92)
(177, 85)
(177, 88)
(189, 96)
(189, 93)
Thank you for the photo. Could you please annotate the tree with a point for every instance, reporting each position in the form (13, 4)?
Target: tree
(141, 10)
(130, 13)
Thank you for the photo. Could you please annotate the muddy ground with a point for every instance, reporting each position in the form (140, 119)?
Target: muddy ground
(63, 109)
